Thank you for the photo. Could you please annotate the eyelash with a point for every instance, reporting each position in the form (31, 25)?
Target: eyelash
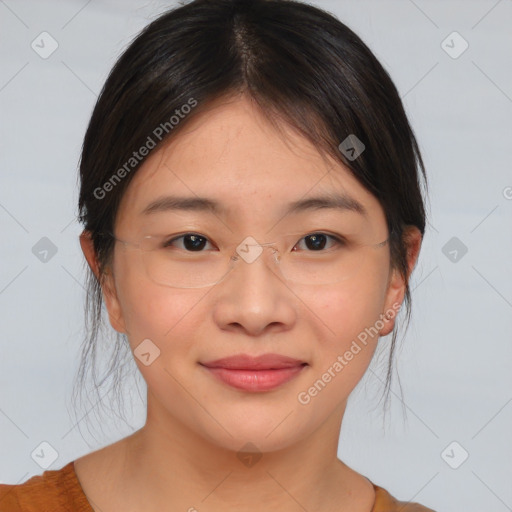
(336, 240)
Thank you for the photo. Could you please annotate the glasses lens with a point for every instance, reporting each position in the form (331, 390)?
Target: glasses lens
(319, 267)
(185, 270)
(314, 259)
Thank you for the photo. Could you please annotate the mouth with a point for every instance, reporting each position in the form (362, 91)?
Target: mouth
(255, 374)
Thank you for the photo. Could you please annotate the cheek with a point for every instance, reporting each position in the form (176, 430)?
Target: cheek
(152, 311)
(347, 342)
(349, 307)
(349, 323)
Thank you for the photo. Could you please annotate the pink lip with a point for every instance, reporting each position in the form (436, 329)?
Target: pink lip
(261, 373)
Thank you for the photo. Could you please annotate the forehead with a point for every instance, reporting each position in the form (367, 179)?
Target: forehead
(234, 156)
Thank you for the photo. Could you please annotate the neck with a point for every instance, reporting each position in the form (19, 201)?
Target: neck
(170, 467)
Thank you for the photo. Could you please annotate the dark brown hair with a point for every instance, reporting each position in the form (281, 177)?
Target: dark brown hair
(301, 66)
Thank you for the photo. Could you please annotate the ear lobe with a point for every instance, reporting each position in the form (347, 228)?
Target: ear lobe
(413, 238)
(397, 284)
(394, 298)
(90, 254)
(106, 280)
(112, 303)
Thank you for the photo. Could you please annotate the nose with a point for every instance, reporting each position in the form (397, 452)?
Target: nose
(254, 297)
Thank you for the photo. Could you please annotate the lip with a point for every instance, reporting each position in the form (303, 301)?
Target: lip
(254, 374)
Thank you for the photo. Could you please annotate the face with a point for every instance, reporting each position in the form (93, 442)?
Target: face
(234, 157)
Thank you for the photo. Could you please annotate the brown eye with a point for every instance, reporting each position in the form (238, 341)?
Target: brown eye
(189, 242)
(319, 241)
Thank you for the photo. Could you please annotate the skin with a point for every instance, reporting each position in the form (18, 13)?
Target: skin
(185, 456)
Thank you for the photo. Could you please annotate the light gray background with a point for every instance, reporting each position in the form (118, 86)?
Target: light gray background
(455, 361)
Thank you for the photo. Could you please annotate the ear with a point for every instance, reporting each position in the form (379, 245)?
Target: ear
(106, 279)
(397, 283)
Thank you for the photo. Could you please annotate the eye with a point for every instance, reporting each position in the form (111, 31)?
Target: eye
(318, 241)
(191, 242)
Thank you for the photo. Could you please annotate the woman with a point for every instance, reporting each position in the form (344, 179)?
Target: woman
(250, 193)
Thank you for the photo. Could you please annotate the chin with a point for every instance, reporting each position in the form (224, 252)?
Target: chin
(246, 434)
(254, 443)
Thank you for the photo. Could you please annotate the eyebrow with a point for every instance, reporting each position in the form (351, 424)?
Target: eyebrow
(333, 201)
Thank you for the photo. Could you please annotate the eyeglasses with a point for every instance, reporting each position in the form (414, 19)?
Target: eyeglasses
(315, 258)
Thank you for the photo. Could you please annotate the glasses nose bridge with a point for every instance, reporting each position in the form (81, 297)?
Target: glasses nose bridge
(251, 251)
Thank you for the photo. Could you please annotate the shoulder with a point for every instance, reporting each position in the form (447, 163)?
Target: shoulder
(384, 502)
(53, 491)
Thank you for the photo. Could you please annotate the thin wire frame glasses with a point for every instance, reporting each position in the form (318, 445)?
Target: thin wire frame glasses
(315, 258)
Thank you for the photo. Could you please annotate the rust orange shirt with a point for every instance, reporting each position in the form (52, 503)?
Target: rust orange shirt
(60, 491)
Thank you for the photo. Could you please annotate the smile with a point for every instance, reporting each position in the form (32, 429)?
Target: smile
(255, 374)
